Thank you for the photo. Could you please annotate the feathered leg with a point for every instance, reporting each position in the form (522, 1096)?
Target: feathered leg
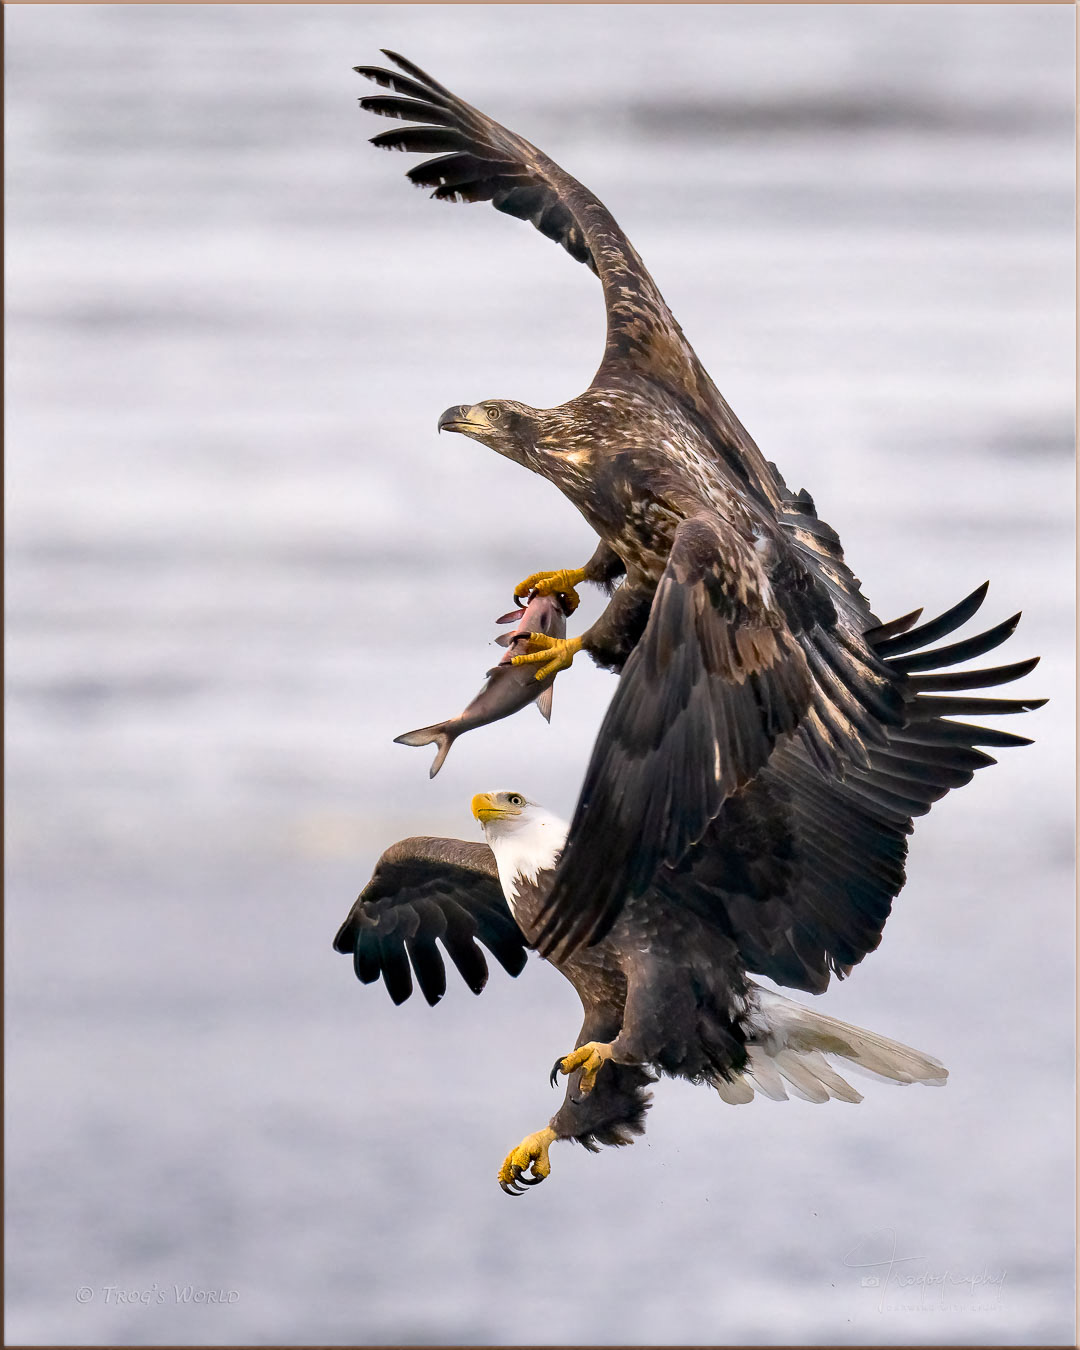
(686, 1020)
(614, 1114)
(636, 1042)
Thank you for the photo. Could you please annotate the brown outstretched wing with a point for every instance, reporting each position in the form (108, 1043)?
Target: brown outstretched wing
(716, 679)
(800, 868)
(476, 159)
(746, 642)
(423, 892)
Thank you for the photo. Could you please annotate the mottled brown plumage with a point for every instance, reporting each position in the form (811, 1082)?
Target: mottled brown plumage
(737, 622)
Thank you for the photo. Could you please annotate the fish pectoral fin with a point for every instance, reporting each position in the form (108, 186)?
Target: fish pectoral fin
(551, 654)
(553, 583)
(544, 703)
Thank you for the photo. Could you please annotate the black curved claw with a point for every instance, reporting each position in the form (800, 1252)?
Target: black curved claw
(557, 1070)
(530, 1181)
(512, 1187)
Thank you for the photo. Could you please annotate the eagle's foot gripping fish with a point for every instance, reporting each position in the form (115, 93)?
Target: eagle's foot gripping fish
(506, 690)
(554, 583)
(531, 1153)
(589, 1058)
(555, 653)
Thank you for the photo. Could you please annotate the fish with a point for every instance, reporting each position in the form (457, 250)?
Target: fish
(507, 688)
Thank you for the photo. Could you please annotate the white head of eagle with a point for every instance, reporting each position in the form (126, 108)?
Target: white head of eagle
(525, 838)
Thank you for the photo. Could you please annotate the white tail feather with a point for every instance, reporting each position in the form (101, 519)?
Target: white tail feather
(735, 1091)
(766, 1076)
(789, 1043)
(837, 1087)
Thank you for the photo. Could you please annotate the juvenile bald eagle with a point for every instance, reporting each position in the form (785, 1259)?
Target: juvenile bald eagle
(792, 879)
(737, 623)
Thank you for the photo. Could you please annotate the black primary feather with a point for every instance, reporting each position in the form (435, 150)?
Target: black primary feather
(801, 868)
(425, 892)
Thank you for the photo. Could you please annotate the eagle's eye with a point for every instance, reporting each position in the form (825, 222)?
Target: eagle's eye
(494, 412)
(515, 799)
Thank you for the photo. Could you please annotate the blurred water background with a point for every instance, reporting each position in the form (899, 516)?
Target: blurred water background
(239, 561)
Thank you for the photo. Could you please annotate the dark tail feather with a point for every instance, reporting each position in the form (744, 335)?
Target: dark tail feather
(437, 735)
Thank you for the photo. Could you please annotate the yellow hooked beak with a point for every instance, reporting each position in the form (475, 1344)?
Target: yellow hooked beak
(484, 807)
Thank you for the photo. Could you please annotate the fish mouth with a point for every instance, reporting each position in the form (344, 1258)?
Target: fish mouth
(484, 808)
(465, 419)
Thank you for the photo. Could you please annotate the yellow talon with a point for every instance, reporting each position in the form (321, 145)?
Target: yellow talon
(555, 653)
(553, 583)
(589, 1058)
(532, 1152)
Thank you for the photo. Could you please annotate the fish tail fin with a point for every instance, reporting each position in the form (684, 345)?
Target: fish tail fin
(438, 735)
(544, 703)
(790, 1045)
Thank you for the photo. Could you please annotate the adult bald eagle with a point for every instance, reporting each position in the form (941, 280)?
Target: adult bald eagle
(793, 879)
(737, 624)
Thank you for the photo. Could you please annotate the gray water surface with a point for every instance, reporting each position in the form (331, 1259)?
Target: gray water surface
(239, 561)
